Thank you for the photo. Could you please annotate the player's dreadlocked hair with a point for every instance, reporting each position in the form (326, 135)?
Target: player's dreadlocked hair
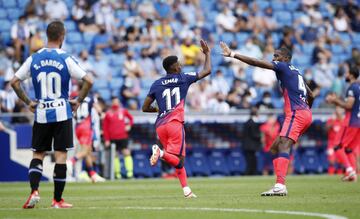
(168, 62)
(286, 52)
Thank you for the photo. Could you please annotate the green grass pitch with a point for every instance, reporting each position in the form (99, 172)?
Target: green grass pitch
(231, 197)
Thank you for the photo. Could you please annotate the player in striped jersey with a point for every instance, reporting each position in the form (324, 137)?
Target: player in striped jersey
(50, 70)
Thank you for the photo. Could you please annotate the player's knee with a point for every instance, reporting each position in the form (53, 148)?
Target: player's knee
(348, 150)
(181, 163)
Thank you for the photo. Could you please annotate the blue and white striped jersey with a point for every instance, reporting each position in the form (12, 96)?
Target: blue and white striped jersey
(51, 70)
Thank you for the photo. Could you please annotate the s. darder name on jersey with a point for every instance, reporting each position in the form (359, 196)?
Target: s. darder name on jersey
(49, 62)
(167, 81)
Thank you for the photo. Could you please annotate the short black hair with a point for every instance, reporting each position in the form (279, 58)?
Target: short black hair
(55, 30)
(286, 52)
(354, 71)
(169, 61)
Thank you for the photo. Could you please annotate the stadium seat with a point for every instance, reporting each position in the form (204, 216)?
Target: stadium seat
(345, 37)
(217, 163)
(156, 170)
(298, 166)
(122, 14)
(337, 49)
(292, 5)
(100, 84)
(117, 60)
(283, 17)
(199, 163)
(307, 48)
(356, 38)
(242, 37)
(116, 82)
(14, 13)
(3, 13)
(236, 162)
(142, 168)
(311, 161)
(227, 37)
(5, 38)
(70, 26)
(105, 94)
(73, 37)
(277, 5)
(22, 3)
(262, 4)
(9, 3)
(5, 25)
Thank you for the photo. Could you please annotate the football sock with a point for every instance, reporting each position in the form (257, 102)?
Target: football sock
(281, 164)
(351, 158)
(90, 171)
(59, 180)
(181, 174)
(117, 168)
(35, 173)
(129, 166)
(171, 159)
(340, 154)
(331, 169)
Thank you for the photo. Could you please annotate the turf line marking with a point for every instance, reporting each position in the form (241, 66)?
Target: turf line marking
(302, 213)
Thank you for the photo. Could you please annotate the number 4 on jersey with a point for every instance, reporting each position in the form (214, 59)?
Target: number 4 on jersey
(301, 85)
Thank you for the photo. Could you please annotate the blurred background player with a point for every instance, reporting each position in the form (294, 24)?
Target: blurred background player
(298, 117)
(170, 92)
(270, 130)
(116, 125)
(350, 139)
(51, 69)
(333, 127)
(84, 133)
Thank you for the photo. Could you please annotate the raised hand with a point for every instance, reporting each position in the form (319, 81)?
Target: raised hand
(225, 49)
(204, 47)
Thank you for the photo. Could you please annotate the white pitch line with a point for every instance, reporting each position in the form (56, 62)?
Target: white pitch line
(302, 213)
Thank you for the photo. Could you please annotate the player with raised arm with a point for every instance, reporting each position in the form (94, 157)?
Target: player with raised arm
(350, 132)
(170, 92)
(50, 70)
(298, 117)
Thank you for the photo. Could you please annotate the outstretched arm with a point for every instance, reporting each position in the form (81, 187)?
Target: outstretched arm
(347, 105)
(248, 60)
(147, 108)
(207, 65)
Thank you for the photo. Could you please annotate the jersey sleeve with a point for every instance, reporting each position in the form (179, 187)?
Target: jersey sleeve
(191, 77)
(24, 71)
(278, 67)
(75, 69)
(350, 91)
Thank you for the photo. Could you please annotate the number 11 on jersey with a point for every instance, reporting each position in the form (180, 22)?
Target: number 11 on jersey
(167, 94)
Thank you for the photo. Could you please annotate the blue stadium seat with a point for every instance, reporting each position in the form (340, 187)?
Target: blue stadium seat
(76, 48)
(337, 49)
(242, 37)
(100, 84)
(105, 94)
(188, 168)
(262, 4)
(3, 13)
(236, 162)
(283, 17)
(277, 5)
(117, 60)
(298, 166)
(88, 37)
(311, 161)
(298, 14)
(292, 5)
(14, 13)
(6, 38)
(217, 163)
(307, 48)
(5, 25)
(142, 168)
(356, 38)
(227, 37)
(22, 3)
(122, 14)
(70, 26)
(9, 3)
(116, 82)
(74, 37)
(199, 163)
(345, 37)
(156, 170)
